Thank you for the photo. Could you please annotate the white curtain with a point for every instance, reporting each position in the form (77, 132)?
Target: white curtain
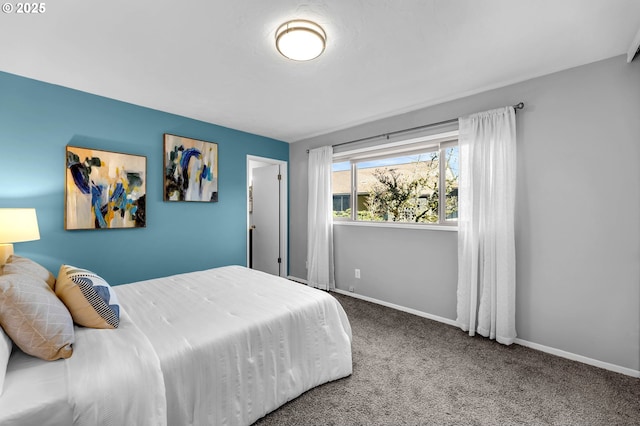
(320, 271)
(486, 243)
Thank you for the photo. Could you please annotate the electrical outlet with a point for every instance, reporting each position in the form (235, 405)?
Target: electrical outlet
(358, 273)
(352, 288)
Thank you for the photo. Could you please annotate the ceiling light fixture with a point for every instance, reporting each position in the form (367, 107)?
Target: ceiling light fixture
(300, 40)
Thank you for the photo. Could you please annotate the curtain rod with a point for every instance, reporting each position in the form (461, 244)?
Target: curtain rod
(516, 107)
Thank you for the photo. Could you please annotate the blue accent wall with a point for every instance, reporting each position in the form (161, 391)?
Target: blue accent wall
(38, 120)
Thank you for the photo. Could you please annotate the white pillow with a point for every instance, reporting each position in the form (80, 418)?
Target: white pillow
(5, 351)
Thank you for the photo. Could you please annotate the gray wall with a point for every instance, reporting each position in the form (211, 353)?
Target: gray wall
(412, 268)
(577, 215)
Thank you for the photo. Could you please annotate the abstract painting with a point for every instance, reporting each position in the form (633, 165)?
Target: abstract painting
(190, 169)
(104, 189)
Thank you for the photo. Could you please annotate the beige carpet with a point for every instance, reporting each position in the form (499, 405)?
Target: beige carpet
(410, 370)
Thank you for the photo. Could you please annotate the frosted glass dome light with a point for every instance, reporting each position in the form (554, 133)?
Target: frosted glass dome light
(300, 40)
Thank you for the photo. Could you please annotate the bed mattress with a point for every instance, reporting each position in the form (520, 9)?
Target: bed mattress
(218, 347)
(234, 343)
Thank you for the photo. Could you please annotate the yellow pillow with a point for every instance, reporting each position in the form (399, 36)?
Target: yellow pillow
(34, 318)
(89, 298)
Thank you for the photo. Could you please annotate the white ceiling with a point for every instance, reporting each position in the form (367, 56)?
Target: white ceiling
(215, 60)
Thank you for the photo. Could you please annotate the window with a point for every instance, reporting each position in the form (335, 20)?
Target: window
(398, 184)
(341, 188)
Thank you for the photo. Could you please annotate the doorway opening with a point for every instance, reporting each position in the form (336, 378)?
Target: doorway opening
(267, 215)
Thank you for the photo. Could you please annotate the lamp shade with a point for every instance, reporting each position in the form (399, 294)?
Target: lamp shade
(18, 225)
(300, 40)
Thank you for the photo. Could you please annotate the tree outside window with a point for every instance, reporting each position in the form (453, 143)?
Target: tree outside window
(403, 188)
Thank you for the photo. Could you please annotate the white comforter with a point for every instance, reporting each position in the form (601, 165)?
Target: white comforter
(218, 347)
(114, 378)
(235, 344)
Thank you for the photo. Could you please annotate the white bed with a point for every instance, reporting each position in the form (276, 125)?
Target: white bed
(218, 347)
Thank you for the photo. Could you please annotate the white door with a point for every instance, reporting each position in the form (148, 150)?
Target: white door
(266, 219)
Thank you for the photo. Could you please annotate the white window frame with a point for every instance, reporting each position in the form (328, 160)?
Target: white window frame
(439, 142)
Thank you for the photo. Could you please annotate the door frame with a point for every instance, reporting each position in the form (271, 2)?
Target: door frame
(284, 210)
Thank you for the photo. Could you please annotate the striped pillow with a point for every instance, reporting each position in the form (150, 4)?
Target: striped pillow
(89, 298)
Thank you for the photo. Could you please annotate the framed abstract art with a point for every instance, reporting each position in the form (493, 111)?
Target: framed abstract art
(104, 189)
(190, 169)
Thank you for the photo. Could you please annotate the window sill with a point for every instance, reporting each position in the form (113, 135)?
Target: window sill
(397, 225)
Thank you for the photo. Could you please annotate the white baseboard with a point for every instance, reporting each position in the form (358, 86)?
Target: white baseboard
(296, 279)
(553, 351)
(583, 359)
(398, 307)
